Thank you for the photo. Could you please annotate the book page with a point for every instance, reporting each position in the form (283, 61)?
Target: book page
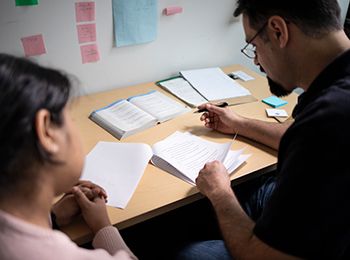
(118, 168)
(125, 115)
(214, 84)
(158, 105)
(184, 91)
(189, 153)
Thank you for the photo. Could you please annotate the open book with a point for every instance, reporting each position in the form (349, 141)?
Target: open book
(118, 167)
(129, 116)
(199, 86)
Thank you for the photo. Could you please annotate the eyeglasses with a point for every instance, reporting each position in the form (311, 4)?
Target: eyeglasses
(249, 49)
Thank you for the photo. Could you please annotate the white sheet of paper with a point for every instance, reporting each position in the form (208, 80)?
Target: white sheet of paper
(118, 168)
(182, 89)
(276, 112)
(234, 159)
(214, 84)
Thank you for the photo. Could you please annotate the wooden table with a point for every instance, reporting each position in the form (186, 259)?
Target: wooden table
(159, 192)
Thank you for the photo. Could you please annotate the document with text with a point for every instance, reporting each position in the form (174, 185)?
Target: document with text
(184, 155)
(118, 167)
(214, 84)
(199, 86)
(182, 89)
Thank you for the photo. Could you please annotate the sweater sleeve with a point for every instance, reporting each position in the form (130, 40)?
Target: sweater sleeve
(109, 238)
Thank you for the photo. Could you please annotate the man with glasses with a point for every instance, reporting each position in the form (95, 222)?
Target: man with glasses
(296, 43)
(249, 49)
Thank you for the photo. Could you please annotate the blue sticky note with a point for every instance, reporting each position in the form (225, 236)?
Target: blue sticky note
(135, 21)
(274, 101)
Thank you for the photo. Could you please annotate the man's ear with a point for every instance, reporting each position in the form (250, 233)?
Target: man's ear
(47, 132)
(279, 28)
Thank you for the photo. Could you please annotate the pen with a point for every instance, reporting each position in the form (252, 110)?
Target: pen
(223, 104)
(232, 76)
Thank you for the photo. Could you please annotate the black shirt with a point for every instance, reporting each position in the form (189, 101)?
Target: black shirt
(308, 214)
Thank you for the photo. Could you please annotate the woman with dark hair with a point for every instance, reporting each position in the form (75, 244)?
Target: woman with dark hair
(41, 158)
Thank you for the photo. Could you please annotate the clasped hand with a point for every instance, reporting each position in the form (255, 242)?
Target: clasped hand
(67, 208)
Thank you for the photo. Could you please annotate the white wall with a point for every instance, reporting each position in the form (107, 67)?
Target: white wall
(204, 35)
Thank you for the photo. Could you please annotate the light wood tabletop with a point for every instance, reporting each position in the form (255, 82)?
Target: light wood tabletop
(158, 191)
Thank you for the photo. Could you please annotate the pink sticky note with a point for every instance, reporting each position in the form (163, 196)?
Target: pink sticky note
(86, 32)
(173, 10)
(89, 53)
(85, 11)
(33, 45)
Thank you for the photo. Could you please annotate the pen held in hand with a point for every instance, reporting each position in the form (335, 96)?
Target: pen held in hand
(223, 104)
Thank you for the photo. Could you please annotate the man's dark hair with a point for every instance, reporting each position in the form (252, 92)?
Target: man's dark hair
(313, 17)
(25, 88)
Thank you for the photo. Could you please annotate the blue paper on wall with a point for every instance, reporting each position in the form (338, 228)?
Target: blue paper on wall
(274, 101)
(135, 21)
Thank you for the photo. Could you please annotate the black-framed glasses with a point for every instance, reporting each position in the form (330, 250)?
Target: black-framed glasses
(249, 49)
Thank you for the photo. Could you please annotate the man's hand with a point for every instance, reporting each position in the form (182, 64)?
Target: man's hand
(220, 119)
(213, 180)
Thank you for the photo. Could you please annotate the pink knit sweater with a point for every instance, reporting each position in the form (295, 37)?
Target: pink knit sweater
(22, 240)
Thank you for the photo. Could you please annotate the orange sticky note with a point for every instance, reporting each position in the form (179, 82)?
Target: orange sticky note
(89, 53)
(86, 32)
(33, 45)
(85, 11)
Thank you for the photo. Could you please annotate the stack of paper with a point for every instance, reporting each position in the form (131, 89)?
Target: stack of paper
(214, 84)
(184, 155)
(118, 167)
(200, 86)
(182, 89)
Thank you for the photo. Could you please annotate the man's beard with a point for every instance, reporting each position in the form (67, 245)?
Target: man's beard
(275, 87)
